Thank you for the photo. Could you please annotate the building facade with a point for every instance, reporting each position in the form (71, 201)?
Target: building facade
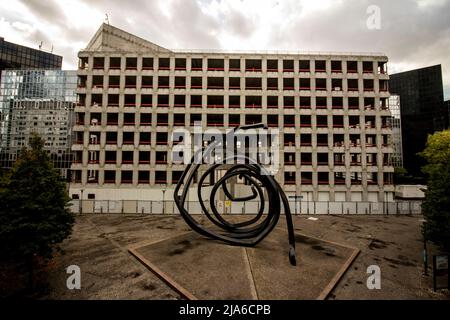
(37, 101)
(14, 56)
(422, 111)
(396, 124)
(331, 109)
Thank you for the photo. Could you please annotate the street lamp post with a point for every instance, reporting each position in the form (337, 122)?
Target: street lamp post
(163, 199)
(81, 201)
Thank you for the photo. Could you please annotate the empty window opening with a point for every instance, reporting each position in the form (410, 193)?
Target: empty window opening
(235, 65)
(99, 62)
(215, 101)
(272, 120)
(130, 100)
(288, 65)
(253, 83)
(128, 119)
(111, 137)
(144, 138)
(127, 157)
(321, 102)
(143, 177)
(336, 84)
(306, 178)
(235, 83)
(289, 121)
(306, 158)
(147, 63)
(160, 177)
(336, 66)
(215, 65)
(337, 103)
(179, 101)
(305, 84)
(112, 119)
(113, 100)
(163, 101)
(322, 178)
(339, 159)
(214, 120)
(161, 138)
(272, 102)
(180, 82)
(352, 67)
(215, 83)
(162, 119)
(253, 65)
(178, 119)
(288, 102)
(128, 138)
(272, 83)
(289, 158)
(234, 101)
(305, 102)
(322, 140)
(288, 83)
(146, 119)
(289, 139)
(114, 81)
(253, 118)
(253, 101)
(320, 65)
(367, 66)
(180, 64)
(130, 82)
(352, 84)
(305, 140)
(289, 177)
(322, 159)
(110, 176)
(97, 81)
(305, 121)
(272, 65)
(196, 101)
(195, 117)
(161, 157)
(196, 82)
(322, 121)
(163, 82)
(338, 121)
(353, 103)
(110, 157)
(304, 66)
(131, 63)
(146, 100)
(164, 63)
(126, 177)
(147, 82)
(321, 84)
(196, 64)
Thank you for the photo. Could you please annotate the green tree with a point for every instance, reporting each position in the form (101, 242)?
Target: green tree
(436, 206)
(34, 211)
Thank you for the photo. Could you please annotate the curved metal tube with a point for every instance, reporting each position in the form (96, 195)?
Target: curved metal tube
(248, 233)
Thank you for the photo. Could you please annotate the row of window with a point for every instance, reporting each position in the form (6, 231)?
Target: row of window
(179, 119)
(161, 177)
(289, 139)
(250, 65)
(218, 101)
(234, 83)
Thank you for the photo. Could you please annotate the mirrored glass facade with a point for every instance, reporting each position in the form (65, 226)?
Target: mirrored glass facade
(40, 101)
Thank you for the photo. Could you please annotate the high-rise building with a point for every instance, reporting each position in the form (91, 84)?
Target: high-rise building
(14, 56)
(422, 111)
(396, 124)
(331, 108)
(37, 101)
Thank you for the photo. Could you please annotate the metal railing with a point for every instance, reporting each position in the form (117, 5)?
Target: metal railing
(250, 207)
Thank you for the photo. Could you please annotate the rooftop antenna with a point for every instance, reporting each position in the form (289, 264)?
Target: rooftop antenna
(107, 18)
(40, 45)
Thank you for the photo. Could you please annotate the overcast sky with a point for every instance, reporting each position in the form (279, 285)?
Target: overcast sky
(413, 33)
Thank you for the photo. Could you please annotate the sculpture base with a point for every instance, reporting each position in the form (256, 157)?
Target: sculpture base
(200, 268)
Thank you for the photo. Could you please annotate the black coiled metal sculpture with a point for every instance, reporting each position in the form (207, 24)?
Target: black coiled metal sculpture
(248, 233)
